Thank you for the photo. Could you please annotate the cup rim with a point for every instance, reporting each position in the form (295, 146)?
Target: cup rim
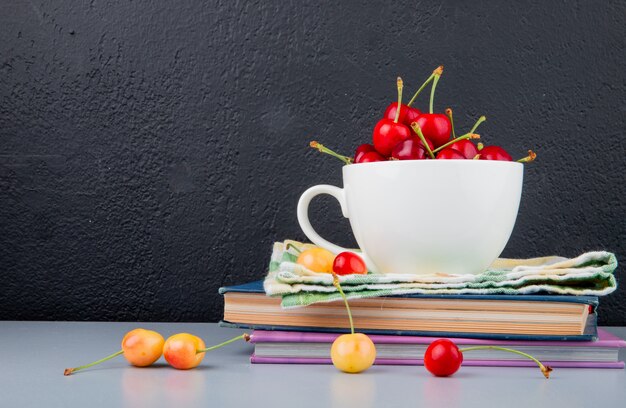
(438, 163)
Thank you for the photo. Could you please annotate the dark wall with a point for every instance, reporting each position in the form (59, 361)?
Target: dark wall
(151, 152)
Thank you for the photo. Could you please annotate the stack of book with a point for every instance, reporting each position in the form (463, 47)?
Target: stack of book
(561, 331)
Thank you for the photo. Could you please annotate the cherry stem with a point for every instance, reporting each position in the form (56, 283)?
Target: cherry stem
(478, 122)
(324, 149)
(290, 245)
(345, 300)
(416, 128)
(244, 336)
(465, 136)
(480, 146)
(400, 85)
(437, 73)
(430, 78)
(531, 157)
(544, 369)
(69, 371)
(449, 114)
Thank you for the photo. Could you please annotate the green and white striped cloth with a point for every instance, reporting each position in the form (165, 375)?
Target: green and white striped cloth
(588, 274)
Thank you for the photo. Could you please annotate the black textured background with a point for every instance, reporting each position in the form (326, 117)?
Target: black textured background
(152, 151)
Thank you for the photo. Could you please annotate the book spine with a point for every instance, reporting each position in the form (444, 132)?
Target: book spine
(590, 336)
(277, 336)
(470, 363)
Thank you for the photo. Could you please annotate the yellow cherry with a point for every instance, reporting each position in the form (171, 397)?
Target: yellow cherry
(142, 347)
(139, 346)
(184, 351)
(317, 260)
(353, 353)
(181, 351)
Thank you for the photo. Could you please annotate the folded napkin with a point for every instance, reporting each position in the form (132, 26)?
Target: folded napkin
(588, 274)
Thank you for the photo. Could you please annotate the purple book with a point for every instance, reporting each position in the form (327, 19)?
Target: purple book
(274, 347)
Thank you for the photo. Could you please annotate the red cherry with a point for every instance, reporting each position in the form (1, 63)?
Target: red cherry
(466, 148)
(390, 132)
(361, 150)
(370, 157)
(411, 149)
(347, 263)
(408, 114)
(387, 134)
(494, 153)
(435, 127)
(450, 154)
(443, 358)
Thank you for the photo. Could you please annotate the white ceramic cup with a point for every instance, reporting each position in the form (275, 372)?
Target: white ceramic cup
(425, 216)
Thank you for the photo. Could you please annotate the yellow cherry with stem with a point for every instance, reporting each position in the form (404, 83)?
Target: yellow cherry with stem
(354, 352)
(184, 351)
(315, 259)
(139, 346)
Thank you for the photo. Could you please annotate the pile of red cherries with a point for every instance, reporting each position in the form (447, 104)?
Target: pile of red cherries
(406, 133)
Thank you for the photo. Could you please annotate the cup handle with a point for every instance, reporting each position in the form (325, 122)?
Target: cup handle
(307, 228)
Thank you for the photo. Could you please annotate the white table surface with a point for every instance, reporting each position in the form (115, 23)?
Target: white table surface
(34, 354)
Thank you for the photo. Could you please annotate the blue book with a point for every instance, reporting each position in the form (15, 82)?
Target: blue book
(504, 317)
